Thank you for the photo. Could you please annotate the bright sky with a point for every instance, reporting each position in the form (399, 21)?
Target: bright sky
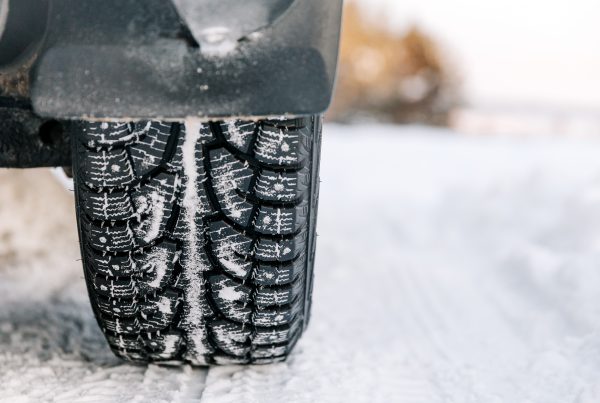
(540, 53)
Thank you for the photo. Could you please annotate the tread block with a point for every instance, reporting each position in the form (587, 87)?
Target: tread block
(221, 232)
(236, 208)
(277, 316)
(127, 326)
(269, 274)
(231, 298)
(231, 263)
(155, 266)
(269, 250)
(227, 291)
(277, 296)
(106, 168)
(233, 348)
(106, 205)
(109, 265)
(109, 238)
(228, 172)
(121, 287)
(228, 176)
(121, 308)
(147, 154)
(206, 134)
(231, 249)
(157, 312)
(126, 344)
(226, 331)
(282, 146)
(289, 123)
(236, 312)
(239, 133)
(268, 352)
(163, 346)
(281, 220)
(282, 186)
(175, 164)
(109, 134)
(153, 203)
(268, 336)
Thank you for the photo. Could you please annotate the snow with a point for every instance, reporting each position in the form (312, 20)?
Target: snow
(226, 179)
(230, 265)
(157, 213)
(270, 143)
(164, 305)
(157, 263)
(237, 136)
(229, 293)
(449, 269)
(193, 265)
(63, 179)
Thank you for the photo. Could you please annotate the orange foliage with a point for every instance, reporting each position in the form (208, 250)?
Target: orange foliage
(398, 78)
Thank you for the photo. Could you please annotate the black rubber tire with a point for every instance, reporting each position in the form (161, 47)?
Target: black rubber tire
(198, 247)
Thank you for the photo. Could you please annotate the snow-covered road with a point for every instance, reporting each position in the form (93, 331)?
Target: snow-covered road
(449, 269)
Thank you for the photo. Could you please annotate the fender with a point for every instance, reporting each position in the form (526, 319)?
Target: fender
(148, 59)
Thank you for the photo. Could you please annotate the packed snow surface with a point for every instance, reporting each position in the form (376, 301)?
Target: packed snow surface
(449, 269)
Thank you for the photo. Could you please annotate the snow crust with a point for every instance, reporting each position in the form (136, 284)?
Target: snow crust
(449, 269)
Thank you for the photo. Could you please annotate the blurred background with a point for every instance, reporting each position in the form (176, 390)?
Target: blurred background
(477, 67)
